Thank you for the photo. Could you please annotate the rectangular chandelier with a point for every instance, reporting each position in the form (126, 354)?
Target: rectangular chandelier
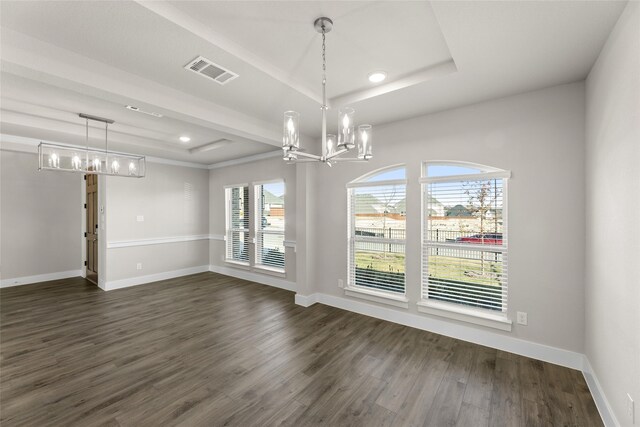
(65, 158)
(84, 160)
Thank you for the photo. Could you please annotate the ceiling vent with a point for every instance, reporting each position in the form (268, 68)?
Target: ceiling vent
(208, 69)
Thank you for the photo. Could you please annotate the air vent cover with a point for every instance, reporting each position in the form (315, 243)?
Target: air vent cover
(210, 70)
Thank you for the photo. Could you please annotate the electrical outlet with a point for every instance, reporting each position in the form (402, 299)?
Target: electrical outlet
(340, 283)
(139, 266)
(522, 318)
(630, 409)
(140, 218)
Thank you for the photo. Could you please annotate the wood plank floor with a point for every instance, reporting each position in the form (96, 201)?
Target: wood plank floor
(213, 350)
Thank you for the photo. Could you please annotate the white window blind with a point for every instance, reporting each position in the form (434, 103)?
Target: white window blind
(465, 240)
(377, 233)
(237, 212)
(269, 225)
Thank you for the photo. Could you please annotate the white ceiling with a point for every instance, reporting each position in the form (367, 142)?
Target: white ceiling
(62, 58)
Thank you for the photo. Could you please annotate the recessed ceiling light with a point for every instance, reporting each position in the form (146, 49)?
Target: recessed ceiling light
(185, 139)
(377, 76)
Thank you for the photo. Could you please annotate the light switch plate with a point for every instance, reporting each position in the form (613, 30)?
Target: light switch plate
(140, 218)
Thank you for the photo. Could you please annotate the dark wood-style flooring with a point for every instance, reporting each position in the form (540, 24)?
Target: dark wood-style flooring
(213, 350)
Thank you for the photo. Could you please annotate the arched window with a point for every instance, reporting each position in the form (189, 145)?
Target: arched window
(464, 237)
(377, 224)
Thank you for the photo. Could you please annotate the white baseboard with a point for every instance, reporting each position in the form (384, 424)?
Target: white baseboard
(306, 300)
(25, 280)
(600, 399)
(542, 352)
(140, 280)
(265, 279)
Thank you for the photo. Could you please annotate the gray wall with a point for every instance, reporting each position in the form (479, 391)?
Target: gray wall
(539, 137)
(174, 203)
(249, 173)
(613, 214)
(40, 218)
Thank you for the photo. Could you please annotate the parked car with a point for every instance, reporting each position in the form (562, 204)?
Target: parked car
(482, 239)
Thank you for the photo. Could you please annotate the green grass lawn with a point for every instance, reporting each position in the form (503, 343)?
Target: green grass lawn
(465, 270)
(380, 261)
(443, 267)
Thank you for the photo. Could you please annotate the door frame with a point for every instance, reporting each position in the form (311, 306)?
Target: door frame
(102, 244)
(83, 226)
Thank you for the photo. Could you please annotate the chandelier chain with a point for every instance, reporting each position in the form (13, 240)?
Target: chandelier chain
(324, 58)
(324, 73)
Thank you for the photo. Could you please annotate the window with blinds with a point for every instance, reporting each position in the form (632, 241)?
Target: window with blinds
(237, 213)
(269, 225)
(377, 231)
(464, 232)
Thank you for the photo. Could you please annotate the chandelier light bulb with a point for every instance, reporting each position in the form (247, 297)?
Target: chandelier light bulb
(291, 137)
(364, 142)
(76, 163)
(346, 137)
(54, 160)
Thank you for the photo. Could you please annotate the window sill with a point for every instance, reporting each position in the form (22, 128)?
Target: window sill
(375, 296)
(238, 264)
(280, 272)
(464, 314)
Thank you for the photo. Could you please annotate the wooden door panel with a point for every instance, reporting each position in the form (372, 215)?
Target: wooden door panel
(95, 256)
(92, 226)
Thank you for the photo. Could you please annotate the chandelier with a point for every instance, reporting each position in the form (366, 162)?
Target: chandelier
(332, 148)
(68, 158)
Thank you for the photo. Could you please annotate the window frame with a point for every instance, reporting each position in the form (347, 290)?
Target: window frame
(455, 310)
(229, 230)
(351, 289)
(258, 226)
